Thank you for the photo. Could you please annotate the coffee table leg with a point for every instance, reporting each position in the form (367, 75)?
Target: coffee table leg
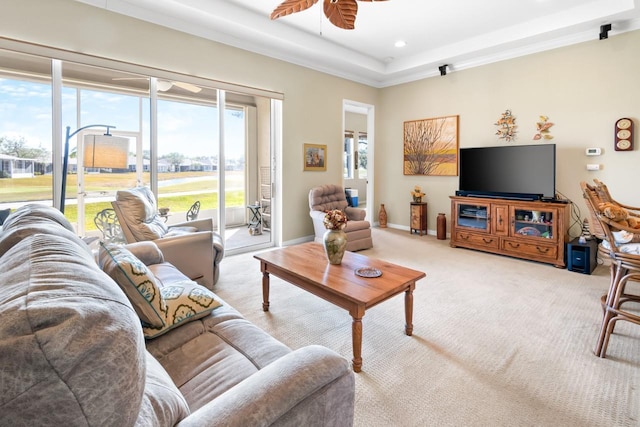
(408, 310)
(265, 288)
(356, 331)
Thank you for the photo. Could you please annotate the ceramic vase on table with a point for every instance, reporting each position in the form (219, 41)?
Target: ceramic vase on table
(335, 243)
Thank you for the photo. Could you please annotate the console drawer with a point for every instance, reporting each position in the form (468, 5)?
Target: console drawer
(480, 240)
(518, 247)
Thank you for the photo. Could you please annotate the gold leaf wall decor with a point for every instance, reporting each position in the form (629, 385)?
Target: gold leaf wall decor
(543, 129)
(506, 126)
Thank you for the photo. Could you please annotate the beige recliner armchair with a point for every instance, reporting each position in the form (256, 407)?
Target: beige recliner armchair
(327, 197)
(192, 247)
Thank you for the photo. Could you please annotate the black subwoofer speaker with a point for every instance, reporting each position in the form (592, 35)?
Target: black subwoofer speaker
(581, 257)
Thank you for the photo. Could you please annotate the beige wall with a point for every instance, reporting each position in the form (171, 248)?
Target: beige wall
(312, 108)
(583, 89)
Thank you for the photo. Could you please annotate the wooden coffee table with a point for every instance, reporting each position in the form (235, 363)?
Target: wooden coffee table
(306, 266)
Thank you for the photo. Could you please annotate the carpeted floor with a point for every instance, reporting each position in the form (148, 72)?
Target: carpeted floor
(497, 341)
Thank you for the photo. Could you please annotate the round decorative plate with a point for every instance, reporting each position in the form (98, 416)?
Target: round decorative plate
(529, 231)
(368, 272)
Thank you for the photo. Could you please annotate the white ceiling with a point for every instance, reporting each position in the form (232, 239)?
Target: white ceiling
(461, 33)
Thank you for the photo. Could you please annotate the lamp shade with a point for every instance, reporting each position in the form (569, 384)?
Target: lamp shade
(106, 151)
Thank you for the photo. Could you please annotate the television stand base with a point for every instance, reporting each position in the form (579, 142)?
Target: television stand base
(532, 230)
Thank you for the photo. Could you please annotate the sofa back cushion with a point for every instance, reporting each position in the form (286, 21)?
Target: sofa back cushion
(34, 219)
(162, 403)
(71, 348)
(140, 211)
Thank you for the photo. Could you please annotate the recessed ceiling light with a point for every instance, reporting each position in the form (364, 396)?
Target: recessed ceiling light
(400, 43)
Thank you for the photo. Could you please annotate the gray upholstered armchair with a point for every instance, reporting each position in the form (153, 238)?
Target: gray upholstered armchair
(192, 247)
(327, 197)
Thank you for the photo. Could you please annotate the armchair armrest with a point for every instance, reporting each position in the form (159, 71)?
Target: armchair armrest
(355, 214)
(312, 386)
(204, 224)
(192, 254)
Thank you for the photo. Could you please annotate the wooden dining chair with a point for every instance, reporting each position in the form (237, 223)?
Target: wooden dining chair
(622, 244)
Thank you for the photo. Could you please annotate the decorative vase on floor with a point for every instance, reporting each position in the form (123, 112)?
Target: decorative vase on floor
(382, 216)
(335, 243)
(441, 222)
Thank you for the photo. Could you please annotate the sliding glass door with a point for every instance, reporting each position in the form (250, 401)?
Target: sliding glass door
(179, 143)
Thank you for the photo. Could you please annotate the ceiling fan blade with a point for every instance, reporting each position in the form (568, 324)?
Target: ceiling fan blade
(130, 78)
(288, 7)
(341, 13)
(164, 85)
(188, 86)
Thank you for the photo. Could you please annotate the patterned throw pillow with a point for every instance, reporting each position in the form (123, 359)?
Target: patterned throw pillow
(137, 282)
(185, 301)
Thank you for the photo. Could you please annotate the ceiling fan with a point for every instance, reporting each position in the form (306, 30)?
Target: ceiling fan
(341, 13)
(165, 85)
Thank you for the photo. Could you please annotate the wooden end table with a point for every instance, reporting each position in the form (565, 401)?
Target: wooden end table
(306, 266)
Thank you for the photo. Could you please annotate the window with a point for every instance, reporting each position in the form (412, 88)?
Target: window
(361, 162)
(348, 155)
(173, 128)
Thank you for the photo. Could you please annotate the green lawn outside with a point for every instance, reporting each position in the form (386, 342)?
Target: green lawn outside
(40, 188)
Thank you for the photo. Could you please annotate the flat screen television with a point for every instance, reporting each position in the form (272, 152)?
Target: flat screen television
(523, 172)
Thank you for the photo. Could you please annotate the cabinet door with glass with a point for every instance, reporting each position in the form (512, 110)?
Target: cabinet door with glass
(472, 216)
(532, 223)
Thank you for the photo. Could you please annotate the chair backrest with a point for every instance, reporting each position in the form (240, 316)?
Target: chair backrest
(327, 197)
(194, 210)
(107, 222)
(603, 227)
(137, 212)
(593, 198)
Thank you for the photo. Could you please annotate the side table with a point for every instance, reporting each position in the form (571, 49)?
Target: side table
(255, 223)
(418, 218)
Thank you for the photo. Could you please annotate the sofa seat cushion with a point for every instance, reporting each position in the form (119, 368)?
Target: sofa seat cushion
(166, 274)
(176, 338)
(216, 357)
(69, 339)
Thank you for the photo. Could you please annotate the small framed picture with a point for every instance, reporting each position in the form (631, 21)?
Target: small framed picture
(315, 157)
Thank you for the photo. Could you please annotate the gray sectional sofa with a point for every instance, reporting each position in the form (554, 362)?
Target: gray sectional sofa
(76, 350)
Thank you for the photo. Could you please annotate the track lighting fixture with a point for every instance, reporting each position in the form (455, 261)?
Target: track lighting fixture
(604, 31)
(443, 69)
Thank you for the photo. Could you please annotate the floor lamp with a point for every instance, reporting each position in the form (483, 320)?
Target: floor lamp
(100, 151)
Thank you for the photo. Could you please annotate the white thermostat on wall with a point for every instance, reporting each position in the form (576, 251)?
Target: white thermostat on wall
(593, 151)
